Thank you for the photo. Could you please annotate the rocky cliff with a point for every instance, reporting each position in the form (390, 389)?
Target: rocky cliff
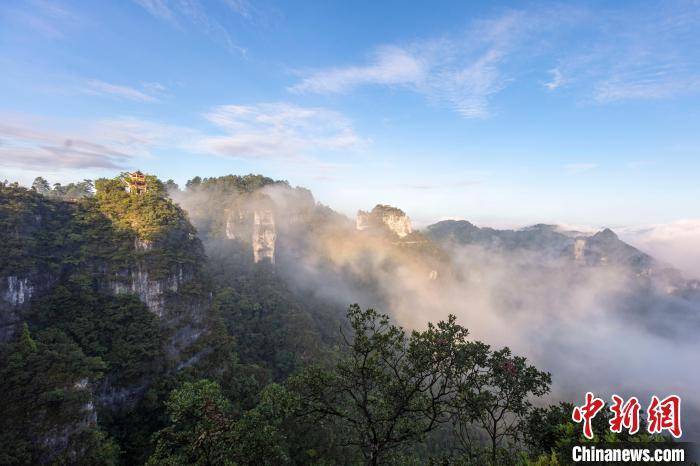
(264, 235)
(386, 218)
(551, 245)
(115, 243)
(256, 227)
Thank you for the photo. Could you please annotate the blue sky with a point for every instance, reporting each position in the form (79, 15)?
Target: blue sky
(504, 113)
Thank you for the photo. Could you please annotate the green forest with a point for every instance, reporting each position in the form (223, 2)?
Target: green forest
(130, 337)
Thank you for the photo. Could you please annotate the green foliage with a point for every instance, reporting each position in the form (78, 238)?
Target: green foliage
(232, 183)
(46, 387)
(70, 252)
(497, 399)
(150, 215)
(40, 185)
(118, 329)
(204, 429)
(373, 394)
(33, 230)
(390, 390)
(71, 191)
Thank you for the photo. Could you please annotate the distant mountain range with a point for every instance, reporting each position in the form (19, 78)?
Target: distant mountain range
(546, 243)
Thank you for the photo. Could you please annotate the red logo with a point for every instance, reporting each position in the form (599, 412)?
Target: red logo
(625, 414)
(662, 415)
(665, 415)
(587, 412)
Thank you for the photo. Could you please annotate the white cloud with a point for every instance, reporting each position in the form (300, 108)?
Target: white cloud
(158, 8)
(604, 55)
(276, 130)
(462, 72)
(242, 7)
(677, 243)
(557, 80)
(103, 88)
(645, 54)
(47, 18)
(182, 12)
(112, 144)
(644, 86)
(390, 65)
(302, 135)
(23, 147)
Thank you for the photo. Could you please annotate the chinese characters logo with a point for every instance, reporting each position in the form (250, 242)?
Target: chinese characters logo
(661, 414)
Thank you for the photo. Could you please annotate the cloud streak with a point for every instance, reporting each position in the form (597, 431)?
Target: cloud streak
(649, 54)
(461, 72)
(125, 92)
(263, 131)
(621, 57)
(192, 12)
(109, 144)
(277, 130)
(26, 148)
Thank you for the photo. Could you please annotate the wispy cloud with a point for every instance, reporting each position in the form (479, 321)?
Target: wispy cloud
(607, 55)
(636, 84)
(242, 7)
(111, 143)
(556, 81)
(50, 19)
(265, 131)
(104, 88)
(180, 13)
(389, 65)
(159, 9)
(650, 53)
(462, 72)
(276, 130)
(27, 148)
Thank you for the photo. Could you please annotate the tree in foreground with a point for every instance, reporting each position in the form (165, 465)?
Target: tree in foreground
(389, 390)
(205, 430)
(498, 399)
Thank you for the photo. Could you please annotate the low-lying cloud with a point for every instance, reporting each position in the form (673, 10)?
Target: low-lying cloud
(594, 327)
(676, 243)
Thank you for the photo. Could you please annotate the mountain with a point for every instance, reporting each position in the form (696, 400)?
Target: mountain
(117, 286)
(550, 242)
(110, 300)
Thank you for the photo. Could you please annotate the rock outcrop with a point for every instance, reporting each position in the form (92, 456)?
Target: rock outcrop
(18, 291)
(387, 218)
(264, 236)
(255, 226)
(151, 292)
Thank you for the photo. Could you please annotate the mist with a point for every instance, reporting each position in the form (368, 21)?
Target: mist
(677, 243)
(593, 327)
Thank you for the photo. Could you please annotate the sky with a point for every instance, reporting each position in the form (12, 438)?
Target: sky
(502, 113)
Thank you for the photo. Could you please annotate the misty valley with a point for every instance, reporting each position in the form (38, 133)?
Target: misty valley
(236, 320)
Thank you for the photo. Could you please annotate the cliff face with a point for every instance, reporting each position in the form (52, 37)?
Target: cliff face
(264, 236)
(384, 217)
(256, 226)
(115, 243)
(118, 275)
(151, 292)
